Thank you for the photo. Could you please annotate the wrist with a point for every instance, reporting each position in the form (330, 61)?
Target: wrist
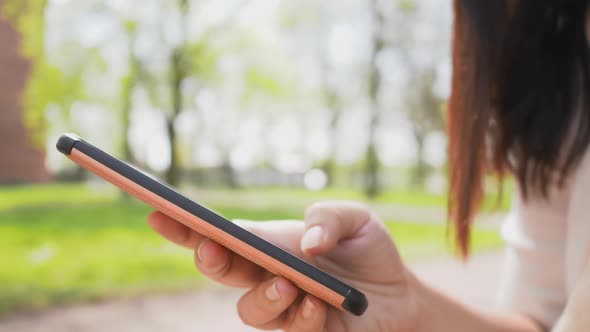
(420, 299)
(436, 311)
(405, 306)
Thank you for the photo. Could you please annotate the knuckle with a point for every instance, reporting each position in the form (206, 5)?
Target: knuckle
(244, 317)
(314, 209)
(300, 325)
(254, 310)
(321, 212)
(355, 205)
(335, 207)
(188, 238)
(221, 272)
(245, 313)
(217, 273)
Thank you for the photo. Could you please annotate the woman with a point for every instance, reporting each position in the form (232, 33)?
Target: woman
(520, 106)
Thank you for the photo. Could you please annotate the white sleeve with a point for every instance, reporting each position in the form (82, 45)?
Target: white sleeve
(533, 282)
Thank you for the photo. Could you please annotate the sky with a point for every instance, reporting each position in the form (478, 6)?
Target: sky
(305, 43)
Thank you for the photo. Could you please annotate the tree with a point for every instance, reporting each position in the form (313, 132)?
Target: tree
(21, 161)
(424, 109)
(48, 83)
(128, 84)
(372, 159)
(331, 98)
(28, 17)
(187, 59)
(333, 102)
(178, 73)
(420, 102)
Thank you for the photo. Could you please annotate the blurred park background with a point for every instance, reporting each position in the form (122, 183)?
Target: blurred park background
(255, 108)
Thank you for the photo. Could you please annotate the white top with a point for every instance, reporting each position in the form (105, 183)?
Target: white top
(548, 242)
(548, 245)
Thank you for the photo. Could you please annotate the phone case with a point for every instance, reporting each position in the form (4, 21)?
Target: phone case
(214, 226)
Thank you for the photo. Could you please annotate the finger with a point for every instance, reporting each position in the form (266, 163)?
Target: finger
(282, 321)
(285, 234)
(224, 266)
(217, 262)
(327, 223)
(310, 316)
(267, 302)
(174, 231)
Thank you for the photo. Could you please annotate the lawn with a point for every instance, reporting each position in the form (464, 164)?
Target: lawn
(62, 244)
(398, 197)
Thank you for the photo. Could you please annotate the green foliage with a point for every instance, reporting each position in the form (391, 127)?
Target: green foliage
(407, 6)
(62, 244)
(202, 59)
(130, 26)
(28, 17)
(48, 84)
(259, 80)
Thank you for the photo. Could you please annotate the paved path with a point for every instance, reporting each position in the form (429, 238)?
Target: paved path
(214, 309)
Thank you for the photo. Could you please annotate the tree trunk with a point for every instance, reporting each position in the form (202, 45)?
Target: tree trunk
(126, 123)
(420, 170)
(173, 172)
(329, 165)
(127, 87)
(328, 168)
(126, 118)
(172, 175)
(372, 185)
(229, 176)
(20, 159)
(178, 74)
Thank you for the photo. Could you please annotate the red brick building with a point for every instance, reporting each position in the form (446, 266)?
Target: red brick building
(20, 161)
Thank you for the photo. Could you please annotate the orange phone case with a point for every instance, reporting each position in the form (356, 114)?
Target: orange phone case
(200, 219)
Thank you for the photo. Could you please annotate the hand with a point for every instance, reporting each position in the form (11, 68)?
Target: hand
(342, 238)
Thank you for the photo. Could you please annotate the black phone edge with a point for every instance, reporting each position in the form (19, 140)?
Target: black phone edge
(354, 300)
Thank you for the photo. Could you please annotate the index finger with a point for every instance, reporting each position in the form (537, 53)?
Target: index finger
(174, 231)
(215, 261)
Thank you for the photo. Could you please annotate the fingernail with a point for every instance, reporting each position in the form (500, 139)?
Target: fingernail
(272, 293)
(308, 308)
(312, 238)
(199, 249)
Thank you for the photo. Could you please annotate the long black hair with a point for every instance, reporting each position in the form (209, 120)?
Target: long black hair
(520, 100)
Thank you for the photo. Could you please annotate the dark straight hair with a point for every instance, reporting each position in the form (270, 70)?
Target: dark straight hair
(520, 99)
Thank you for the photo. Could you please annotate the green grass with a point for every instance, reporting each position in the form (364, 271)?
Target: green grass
(397, 197)
(40, 195)
(421, 241)
(62, 244)
(63, 254)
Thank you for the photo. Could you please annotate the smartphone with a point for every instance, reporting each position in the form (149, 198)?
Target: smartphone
(214, 226)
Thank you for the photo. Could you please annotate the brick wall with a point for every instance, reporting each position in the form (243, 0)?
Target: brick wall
(19, 160)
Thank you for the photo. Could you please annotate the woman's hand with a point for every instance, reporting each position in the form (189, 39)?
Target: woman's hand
(342, 238)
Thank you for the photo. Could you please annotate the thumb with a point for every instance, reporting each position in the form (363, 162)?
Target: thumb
(328, 223)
